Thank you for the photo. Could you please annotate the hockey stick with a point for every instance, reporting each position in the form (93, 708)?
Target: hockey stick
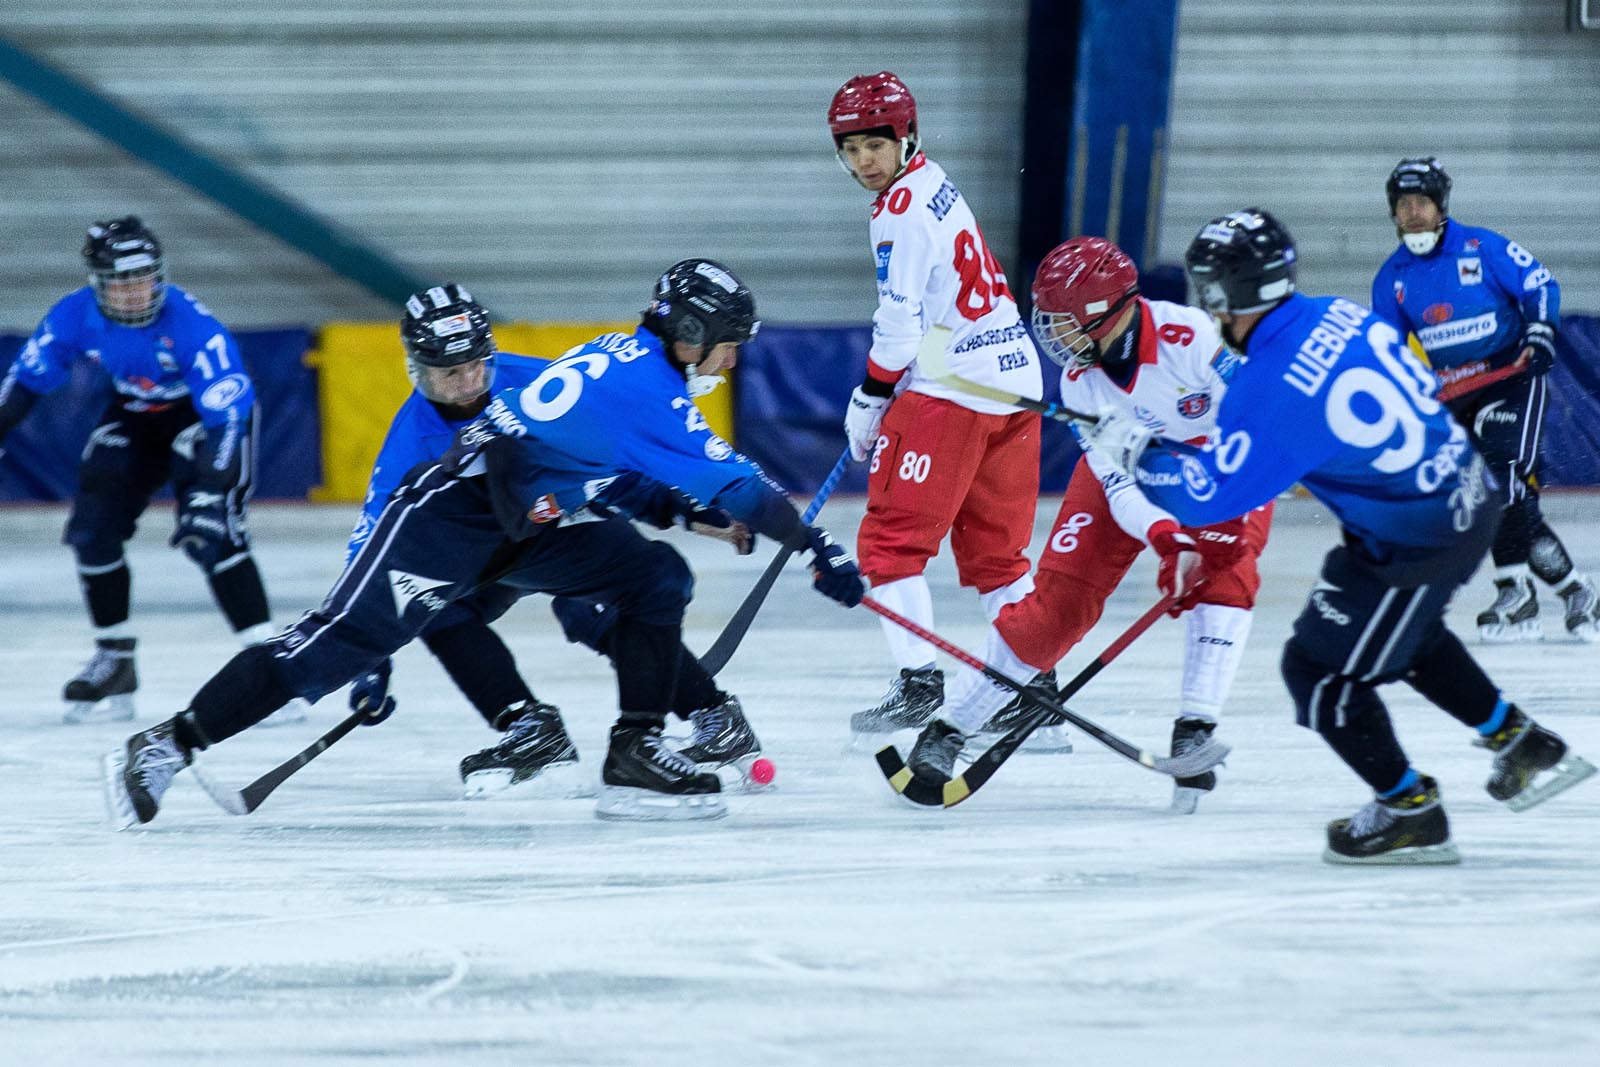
(716, 657)
(248, 799)
(1471, 383)
(936, 365)
(932, 792)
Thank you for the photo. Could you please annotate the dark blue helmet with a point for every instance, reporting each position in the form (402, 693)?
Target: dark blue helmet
(700, 302)
(1423, 174)
(1241, 262)
(126, 270)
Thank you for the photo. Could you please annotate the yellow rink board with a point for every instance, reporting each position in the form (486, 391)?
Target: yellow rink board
(361, 383)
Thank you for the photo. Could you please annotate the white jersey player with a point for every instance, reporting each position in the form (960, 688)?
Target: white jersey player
(942, 461)
(1165, 365)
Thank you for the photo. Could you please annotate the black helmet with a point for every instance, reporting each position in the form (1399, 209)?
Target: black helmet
(1423, 174)
(1241, 262)
(444, 327)
(700, 302)
(126, 270)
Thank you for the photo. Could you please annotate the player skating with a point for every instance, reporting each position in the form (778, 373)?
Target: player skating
(453, 362)
(1478, 302)
(183, 412)
(942, 461)
(1119, 351)
(527, 496)
(1329, 396)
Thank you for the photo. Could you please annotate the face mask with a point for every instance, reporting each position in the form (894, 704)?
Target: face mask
(1421, 244)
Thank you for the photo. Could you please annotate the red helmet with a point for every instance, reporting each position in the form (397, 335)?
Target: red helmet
(871, 102)
(1078, 294)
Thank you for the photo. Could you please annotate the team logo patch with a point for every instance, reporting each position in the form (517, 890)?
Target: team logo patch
(1437, 313)
(1471, 244)
(1194, 405)
(544, 510)
(1399, 292)
(717, 448)
(1195, 478)
(883, 251)
(1469, 270)
(222, 393)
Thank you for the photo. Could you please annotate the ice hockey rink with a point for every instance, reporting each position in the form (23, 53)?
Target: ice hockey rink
(367, 913)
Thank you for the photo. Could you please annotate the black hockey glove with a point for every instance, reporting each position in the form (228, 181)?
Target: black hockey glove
(202, 530)
(1538, 347)
(833, 570)
(369, 694)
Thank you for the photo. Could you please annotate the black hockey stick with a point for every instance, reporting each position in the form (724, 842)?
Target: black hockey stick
(716, 657)
(933, 792)
(936, 365)
(248, 799)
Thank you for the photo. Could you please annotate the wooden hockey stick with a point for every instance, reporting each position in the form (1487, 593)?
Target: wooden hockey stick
(931, 792)
(716, 657)
(1471, 383)
(248, 799)
(933, 356)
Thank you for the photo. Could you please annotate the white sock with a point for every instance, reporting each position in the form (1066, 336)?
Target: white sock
(911, 598)
(995, 599)
(115, 632)
(1215, 646)
(259, 634)
(972, 699)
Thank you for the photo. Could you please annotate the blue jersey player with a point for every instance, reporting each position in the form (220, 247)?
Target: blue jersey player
(535, 755)
(1328, 395)
(183, 411)
(533, 494)
(1486, 312)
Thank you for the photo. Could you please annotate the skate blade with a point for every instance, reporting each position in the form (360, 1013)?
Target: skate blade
(1557, 779)
(735, 775)
(628, 804)
(1522, 633)
(560, 781)
(119, 807)
(1418, 856)
(296, 711)
(1585, 632)
(1185, 800)
(111, 709)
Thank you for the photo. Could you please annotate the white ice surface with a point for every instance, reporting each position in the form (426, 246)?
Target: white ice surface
(1061, 916)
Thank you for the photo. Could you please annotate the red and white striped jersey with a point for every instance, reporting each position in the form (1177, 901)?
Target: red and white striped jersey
(934, 269)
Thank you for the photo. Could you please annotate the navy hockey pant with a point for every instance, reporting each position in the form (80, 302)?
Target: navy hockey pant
(1504, 421)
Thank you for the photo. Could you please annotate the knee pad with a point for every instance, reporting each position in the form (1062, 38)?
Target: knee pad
(662, 597)
(1547, 557)
(1042, 627)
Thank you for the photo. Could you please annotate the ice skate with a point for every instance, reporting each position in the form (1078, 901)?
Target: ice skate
(724, 744)
(1408, 829)
(138, 774)
(1050, 736)
(1531, 764)
(1582, 609)
(103, 690)
(934, 754)
(535, 758)
(1514, 615)
(912, 699)
(1188, 735)
(644, 778)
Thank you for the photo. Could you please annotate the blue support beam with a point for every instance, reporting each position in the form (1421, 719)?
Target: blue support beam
(340, 250)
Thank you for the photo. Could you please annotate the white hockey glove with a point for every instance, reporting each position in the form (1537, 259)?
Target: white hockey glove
(861, 421)
(1119, 438)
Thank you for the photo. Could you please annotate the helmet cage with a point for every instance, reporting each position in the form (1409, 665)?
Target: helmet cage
(127, 271)
(1071, 343)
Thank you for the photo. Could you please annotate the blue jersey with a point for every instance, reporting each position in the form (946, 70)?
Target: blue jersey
(184, 356)
(1331, 397)
(1469, 299)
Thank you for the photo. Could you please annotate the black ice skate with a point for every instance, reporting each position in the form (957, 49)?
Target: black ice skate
(643, 778)
(103, 690)
(1051, 736)
(535, 758)
(1582, 609)
(1407, 829)
(1188, 735)
(138, 774)
(1514, 615)
(934, 754)
(912, 699)
(724, 744)
(1524, 752)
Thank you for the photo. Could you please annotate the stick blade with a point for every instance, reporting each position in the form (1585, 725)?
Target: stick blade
(919, 789)
(229, 800)
(1195, 762)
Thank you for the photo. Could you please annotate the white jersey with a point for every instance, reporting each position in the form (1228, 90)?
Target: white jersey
(1182, 372)
(935, 270)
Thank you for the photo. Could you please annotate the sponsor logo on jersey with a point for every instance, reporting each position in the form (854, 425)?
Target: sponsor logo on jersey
(1469, 269)
(1226, 364)
(222, 393)
(545, 509)
(717, 449)
(944, 200)
(1460, 332)
(1471, 244)
(1194, 405)
(411, 589)
(1144, 477)
(1399, 291)
(1434, 314)
(1197, 480)
(884, 250)
(1327, 610)
(1000, 336)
